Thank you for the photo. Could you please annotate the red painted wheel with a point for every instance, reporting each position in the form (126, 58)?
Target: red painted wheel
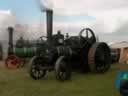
(12, 62)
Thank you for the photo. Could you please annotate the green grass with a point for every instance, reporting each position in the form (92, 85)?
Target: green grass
(19, 83)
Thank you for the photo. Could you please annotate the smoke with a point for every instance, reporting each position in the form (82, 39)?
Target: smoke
(7, 19)
(80, 7)
(45, 4)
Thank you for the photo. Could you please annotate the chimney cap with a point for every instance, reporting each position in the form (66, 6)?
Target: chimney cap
(10, 28)
(46, 9)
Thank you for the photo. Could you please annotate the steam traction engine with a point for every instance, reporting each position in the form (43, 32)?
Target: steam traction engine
(73, 53)
(18, 53)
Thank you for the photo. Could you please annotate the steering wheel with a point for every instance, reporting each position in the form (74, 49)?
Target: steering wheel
(89, 36)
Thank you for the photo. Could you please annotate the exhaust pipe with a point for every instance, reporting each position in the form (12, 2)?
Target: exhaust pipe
(10, 48)
(49, 15)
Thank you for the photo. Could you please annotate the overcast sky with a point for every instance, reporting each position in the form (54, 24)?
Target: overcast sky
(108, 18)
(110, 13)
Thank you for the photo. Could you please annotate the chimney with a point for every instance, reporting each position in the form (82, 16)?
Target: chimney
(10, 48)
(49, 15)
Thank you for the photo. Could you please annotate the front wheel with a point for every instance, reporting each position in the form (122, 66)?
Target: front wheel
(35, 71)
(62, 69)
(12, 62)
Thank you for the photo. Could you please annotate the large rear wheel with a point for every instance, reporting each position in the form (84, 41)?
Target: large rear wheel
(99, 57)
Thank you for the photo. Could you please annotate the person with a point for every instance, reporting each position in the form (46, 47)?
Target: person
(20, 42)
(67, 35)
(124, 87)
(122, 83)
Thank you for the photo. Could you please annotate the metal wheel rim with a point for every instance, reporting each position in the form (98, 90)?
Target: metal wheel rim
(36, 71)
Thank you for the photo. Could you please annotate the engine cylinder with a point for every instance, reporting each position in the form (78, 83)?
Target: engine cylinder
(65, 51)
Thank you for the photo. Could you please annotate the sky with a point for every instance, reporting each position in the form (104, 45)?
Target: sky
(26, 10)
(108, 18)
(29, 11)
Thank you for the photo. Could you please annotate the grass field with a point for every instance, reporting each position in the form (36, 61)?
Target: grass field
(19, 83)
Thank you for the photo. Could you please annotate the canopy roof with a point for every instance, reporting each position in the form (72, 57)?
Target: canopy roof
(123, 44)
